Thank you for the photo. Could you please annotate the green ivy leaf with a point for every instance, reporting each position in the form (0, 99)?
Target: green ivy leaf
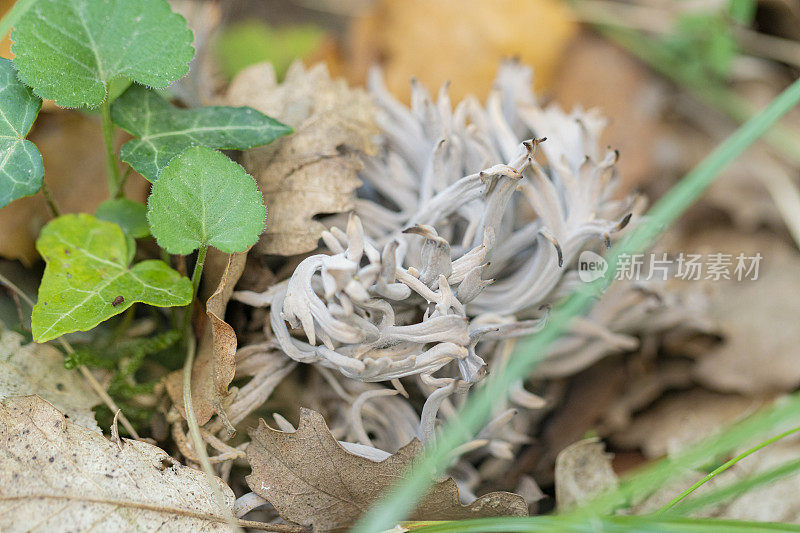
(87, 279)
(21, 169)
(129, 215)
(203, 198)
(70, 50)
(165, 131)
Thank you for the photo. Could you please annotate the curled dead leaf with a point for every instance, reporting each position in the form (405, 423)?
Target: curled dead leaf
(58, 476)
(338, 486)
(314, 170)
(215, 366)
(583, 471)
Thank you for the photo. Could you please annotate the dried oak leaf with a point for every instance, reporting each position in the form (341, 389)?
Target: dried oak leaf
(311, 479)
(314, 170)
(58, 476)
(215, 366)
(39, 369)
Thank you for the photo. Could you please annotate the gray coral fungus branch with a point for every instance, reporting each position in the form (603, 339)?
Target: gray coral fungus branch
(466, 228)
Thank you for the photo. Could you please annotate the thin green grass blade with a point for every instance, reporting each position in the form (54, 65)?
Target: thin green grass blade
(711, 475)
(652, 477)
(401, 500)
(628, 524)
(739, 487)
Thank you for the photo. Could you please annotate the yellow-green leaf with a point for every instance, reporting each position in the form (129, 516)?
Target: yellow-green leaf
(87, 278)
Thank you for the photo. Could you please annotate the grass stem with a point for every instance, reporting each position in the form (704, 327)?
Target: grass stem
(711, 475)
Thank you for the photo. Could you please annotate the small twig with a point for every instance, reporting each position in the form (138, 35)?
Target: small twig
(18, 305)
(276, 528)
(115, 431)
(769, 46)
(98, 389)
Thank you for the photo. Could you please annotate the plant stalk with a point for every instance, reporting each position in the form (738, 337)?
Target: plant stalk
(51, 202)
(114, 178)
(121, 187)
(198, 268)
(191, 420)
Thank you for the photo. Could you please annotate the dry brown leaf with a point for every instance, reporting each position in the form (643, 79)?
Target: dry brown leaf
(460, 41)
(75, 170)
(758, 319)
(58, 476)
(39, 369)
(681, 419)
(215, 366)
(583, 471)
(314, 170)
(312, 480)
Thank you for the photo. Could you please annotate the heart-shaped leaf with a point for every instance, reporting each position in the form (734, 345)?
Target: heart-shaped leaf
(202, 198)
(165, 131)
(70, 50)
(87, 279)
(21, 169)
